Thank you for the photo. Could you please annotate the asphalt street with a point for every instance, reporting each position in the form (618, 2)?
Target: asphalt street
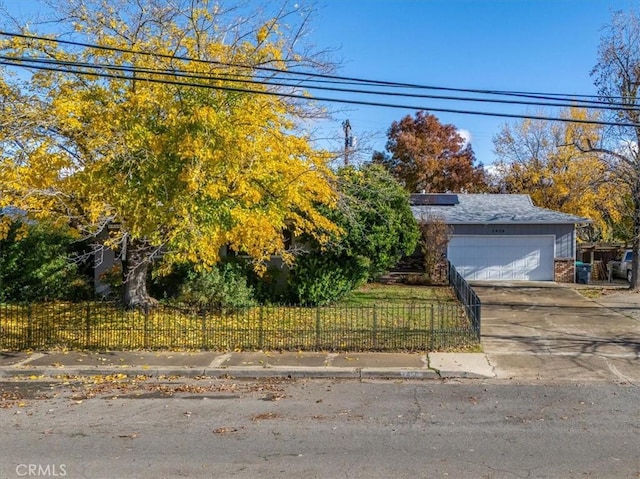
(321, 428)
(554, 394)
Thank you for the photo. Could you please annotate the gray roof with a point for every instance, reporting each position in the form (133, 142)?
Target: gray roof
(487, 209)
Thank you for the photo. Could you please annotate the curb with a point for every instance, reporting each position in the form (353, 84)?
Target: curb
(236, 372)
(258, 366)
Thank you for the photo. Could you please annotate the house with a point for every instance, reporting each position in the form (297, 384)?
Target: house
(503, 236)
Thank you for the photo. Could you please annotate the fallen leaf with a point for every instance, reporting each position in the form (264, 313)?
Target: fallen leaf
(273, 397)
(268, 415)
(224, 430)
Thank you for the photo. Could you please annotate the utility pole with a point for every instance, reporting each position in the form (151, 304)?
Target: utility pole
(348, 140)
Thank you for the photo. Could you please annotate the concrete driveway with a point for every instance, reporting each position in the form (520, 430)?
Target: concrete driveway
(550, 331)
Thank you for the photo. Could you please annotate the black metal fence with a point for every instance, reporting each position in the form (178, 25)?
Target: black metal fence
(467, 296)
(416, 326)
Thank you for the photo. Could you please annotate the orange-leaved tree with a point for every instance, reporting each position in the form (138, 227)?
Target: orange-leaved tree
(424, 154)
(156, 133)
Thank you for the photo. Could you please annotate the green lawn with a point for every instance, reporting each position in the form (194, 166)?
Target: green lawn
(375, 317)
(375, 293)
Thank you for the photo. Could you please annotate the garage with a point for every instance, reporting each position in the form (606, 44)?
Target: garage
(503, 258)
(502, 237)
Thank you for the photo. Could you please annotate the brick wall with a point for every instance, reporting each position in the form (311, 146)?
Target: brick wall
(565, 270)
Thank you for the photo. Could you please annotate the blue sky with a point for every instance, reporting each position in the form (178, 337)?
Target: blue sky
(523, 45)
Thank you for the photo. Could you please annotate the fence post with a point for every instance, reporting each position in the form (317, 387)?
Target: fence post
(261, 328)
(374, 342)
(87, 326)
(431, 332)
(203, 343)
(29, 327)
(146, 329)
(318, 329)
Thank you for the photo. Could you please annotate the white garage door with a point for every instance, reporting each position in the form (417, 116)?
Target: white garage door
(503, 257)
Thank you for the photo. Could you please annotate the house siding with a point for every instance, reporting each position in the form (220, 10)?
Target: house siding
(564, 233)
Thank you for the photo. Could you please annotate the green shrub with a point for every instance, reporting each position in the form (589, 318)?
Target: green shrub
(223, 287)
(38, 267)
(377, 218)
(379, 228)
(271, 287)
(321, 279)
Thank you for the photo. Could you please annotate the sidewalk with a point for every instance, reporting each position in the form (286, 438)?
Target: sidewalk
(247, 364)
(530, 331)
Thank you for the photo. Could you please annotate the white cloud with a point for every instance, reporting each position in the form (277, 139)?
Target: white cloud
(466, 135)
(492, 170)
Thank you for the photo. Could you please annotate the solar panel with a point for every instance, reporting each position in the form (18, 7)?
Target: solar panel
(434, 199)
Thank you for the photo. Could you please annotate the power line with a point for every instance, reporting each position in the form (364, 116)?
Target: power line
(532, 95)
(327, 99)
(280, 83)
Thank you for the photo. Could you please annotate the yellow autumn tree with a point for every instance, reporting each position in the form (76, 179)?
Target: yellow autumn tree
(539, 158)
(153, 129)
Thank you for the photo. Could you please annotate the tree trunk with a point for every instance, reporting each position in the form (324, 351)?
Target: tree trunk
(135, 266)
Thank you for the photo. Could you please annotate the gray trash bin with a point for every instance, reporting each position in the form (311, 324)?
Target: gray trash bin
(583, 272)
